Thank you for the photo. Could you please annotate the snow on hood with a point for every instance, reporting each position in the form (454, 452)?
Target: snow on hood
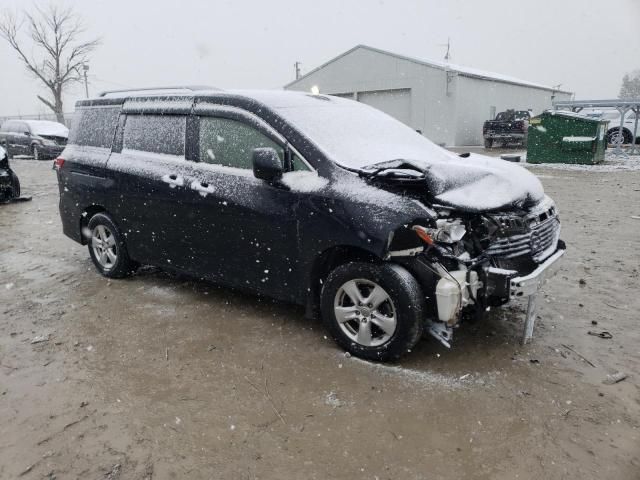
(356, 136)
(480, 183)
(50, 129)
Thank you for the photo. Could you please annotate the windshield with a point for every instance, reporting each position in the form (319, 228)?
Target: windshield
(355, 135)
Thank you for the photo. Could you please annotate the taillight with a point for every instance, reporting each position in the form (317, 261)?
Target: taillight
(58, 163)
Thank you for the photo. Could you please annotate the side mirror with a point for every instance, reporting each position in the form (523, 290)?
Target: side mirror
(28, 134)
(267, 164)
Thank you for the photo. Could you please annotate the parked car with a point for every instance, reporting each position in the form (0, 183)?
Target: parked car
(613, 133)
(39, 138)
(309, 199)
(9, 183)
(509, 126)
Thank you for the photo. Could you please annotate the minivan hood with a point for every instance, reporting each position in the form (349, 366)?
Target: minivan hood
(477, 183)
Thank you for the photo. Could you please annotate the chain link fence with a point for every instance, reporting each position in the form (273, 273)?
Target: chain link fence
(68, 117)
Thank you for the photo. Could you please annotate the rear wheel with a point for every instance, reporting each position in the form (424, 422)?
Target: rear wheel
(107, 248)
(488, 143)
(374, 311)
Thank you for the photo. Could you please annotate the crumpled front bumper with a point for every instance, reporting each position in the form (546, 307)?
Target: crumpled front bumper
(526, 285)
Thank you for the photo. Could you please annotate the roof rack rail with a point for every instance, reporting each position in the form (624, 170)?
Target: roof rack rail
(185, 88)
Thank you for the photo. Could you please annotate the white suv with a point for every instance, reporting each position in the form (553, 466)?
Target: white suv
(613, 132)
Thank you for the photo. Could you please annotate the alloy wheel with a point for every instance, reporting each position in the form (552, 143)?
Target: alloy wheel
(104, 247)
(365, 312)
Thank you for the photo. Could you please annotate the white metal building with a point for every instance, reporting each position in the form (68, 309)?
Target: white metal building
(447, 103)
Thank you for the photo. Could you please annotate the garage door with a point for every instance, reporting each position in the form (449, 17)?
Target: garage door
(396, 103)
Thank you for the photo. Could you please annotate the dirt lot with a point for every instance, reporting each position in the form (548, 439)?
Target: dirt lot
(164, 377)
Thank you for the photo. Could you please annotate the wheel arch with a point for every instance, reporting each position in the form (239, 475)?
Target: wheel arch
(324, 263)
(86, 215)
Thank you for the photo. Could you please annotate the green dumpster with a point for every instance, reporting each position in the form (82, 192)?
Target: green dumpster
(558, 136)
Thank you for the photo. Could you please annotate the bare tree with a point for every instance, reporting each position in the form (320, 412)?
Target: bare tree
(57, 54)
(630, 85)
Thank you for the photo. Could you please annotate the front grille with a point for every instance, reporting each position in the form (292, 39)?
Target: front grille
(538, 243)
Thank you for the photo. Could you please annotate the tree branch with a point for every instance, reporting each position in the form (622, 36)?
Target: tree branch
(59, 52)
(47, 102)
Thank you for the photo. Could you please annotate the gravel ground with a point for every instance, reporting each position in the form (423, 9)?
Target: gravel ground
(164, 377)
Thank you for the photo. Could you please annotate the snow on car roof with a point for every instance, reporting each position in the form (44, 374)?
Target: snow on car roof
(45, 127)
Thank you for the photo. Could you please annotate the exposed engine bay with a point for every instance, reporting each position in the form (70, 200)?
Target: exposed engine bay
(479, 260)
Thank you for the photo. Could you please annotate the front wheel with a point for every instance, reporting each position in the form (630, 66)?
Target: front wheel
(107, 248)
(374, 311)
(614, 137)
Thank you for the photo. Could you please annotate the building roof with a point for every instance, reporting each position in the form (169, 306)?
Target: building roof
(459, 69)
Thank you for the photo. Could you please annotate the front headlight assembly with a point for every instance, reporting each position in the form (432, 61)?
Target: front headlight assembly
(446, 231)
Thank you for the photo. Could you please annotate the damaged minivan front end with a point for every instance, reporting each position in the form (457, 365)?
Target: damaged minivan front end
(470, 259)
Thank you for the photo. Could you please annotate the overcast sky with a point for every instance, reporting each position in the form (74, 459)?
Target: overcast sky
(253, 44)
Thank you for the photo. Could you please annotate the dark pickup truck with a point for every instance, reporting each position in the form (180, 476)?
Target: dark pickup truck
(508, 127)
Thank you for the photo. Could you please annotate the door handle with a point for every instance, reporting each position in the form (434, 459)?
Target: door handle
(203, 188)
(173, 180)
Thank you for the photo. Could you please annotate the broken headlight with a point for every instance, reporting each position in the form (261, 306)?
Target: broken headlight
(446, 231)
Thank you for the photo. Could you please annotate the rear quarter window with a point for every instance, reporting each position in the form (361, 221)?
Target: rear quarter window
(94, 127)
(155, 133)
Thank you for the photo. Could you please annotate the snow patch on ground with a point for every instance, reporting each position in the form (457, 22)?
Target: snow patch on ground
(331, 399)
(163, 292)
(612, 163)
(426, 379)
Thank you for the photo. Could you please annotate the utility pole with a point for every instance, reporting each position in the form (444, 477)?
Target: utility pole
(297, 67)
(85, 67)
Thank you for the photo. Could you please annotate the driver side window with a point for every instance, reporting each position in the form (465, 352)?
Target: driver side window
(230, 143)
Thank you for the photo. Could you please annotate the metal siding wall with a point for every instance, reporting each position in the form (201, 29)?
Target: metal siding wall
(454, 119)
(475, 97)
(396, 103)
(366, 71)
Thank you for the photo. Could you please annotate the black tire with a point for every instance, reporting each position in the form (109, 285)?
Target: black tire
(120, 267)
(613, 133)
(488, 143)
(406, 300)
(15, 185)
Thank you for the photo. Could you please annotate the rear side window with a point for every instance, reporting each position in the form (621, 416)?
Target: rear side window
(155, 133)
(94, 127)
(231, 143)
